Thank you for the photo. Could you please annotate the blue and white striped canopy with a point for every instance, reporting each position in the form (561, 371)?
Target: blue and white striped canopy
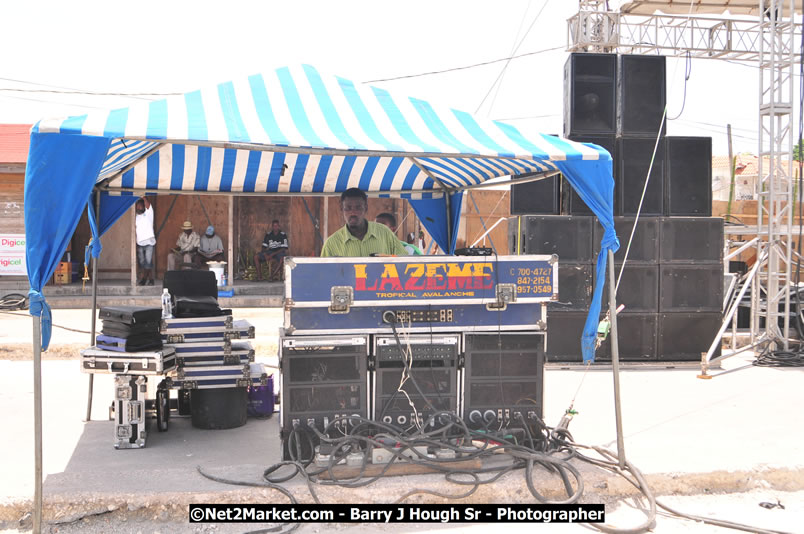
(292, 131)
(296, 130)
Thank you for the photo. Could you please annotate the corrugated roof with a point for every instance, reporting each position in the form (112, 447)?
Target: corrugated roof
(697, 7)
(14, 141)
(747, 164)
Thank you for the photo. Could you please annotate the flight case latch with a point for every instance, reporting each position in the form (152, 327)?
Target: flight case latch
(341, 298)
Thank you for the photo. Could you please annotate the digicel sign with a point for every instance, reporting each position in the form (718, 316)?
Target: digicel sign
(12, 243)
(12, 264)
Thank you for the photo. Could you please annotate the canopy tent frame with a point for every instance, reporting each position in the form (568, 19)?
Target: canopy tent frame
(433, 152)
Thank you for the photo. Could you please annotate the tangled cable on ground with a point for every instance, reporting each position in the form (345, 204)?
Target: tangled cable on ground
(780, 358)
(14, 301)
(445, 444)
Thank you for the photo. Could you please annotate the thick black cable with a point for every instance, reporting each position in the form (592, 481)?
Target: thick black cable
(280, 489)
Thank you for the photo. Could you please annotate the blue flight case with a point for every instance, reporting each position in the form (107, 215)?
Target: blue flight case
(418, 293)
(218, 376)
(240, 329)
(240, 352)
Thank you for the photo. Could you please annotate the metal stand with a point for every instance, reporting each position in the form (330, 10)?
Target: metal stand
(615, 363)
(769, 41)
(94, 314)
(37, 368)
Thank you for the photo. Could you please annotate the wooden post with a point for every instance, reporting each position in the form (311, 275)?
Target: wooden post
(132, 225)
(232, 267)
(325, 228)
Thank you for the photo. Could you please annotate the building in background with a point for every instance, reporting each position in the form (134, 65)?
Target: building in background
(14, 141)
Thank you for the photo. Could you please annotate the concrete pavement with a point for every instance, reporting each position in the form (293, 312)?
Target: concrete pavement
(740, 433)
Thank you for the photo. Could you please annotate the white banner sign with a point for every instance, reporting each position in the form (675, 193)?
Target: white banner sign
(14, 243)
(12, 255)
(12, 264)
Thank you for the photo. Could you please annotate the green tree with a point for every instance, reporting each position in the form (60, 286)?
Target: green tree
(797, 149)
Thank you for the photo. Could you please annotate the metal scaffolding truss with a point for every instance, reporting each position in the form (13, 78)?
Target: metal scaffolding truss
(769, 40)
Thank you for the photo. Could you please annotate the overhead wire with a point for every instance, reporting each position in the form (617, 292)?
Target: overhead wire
(508, 61)
(454, 69)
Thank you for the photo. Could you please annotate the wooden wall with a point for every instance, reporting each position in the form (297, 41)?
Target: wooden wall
(12, 217)
(200, 210)
(491, 206)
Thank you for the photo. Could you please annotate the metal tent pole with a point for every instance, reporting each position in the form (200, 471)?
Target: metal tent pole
(37, 369)
(615, 362)
(94, 312)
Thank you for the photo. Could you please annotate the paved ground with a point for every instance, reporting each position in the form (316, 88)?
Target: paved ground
(716, 447)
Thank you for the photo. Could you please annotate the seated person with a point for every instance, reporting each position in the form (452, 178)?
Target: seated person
(210, 247)
(274, 250)
(186, 247)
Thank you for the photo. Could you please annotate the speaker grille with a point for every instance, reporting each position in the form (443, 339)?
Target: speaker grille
(636, 155)
(640, 95)
(589, 94)
(569, 237)
(539, 197)
(689, 176)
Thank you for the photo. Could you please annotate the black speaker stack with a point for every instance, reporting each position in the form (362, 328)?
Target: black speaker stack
(617, 102)
(491, 379)
(323, 381)
(504, 378)
(672, 285)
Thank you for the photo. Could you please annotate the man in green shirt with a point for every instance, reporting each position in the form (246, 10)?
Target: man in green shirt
(389, 220)
(360, 237)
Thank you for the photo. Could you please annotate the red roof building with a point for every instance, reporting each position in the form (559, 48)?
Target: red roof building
(14, 141)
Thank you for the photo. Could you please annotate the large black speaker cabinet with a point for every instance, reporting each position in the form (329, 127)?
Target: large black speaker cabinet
(687, 288)
(575, 285)
(637, 338)
(539, 197)
(645, 244)
(691, 239)
(639, 287)
(590, 94)
(640, 95)
(568, 236)
(504, 379)
(684, 336)
(564, 329)
(570, 200)
(515, 244)
(324, 379)
(688, 176)
(635, 160)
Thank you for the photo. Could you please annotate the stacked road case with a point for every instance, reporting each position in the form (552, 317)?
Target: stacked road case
(386, 340)
(126, 329)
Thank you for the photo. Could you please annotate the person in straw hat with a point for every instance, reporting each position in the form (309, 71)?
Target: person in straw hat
(186, 247)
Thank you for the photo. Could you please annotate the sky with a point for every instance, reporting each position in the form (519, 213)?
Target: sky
(178, 46)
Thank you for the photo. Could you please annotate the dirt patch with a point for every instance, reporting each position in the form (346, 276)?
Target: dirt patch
(24, 351)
